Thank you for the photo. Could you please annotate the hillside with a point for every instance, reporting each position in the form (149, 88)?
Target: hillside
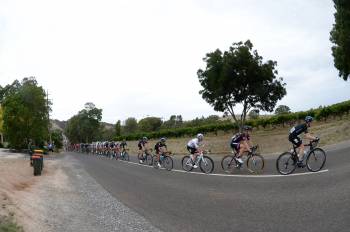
(270, 140)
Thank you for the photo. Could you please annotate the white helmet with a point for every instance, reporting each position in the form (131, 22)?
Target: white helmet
(200, 136)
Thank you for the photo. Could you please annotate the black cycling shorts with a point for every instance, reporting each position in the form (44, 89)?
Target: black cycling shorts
(295, 140)
(235, 146)
(191, 150)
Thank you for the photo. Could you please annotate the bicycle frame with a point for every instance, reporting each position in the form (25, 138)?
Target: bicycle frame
(198, 159)
(312, 145)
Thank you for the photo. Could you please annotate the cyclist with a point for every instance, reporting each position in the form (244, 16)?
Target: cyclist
(123, 144)
(160, 148)
(297, 142)
(241, 143)
(142, 145)
(192, 147)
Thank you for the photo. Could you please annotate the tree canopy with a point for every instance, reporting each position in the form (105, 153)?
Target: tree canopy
(239, 76)
(282, 109)
(25, 112)
(1, 120)
(149, 124)
(340, 36)
(118, 128)
(130, 126)
(85, 126)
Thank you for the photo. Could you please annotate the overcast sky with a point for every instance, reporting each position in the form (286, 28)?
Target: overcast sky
(138, 58)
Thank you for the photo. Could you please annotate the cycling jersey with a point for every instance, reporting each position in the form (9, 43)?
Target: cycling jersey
(158, 146)
(141, 144)
(237, 139)
(123, 145)
(193, 143)
(111, 145)
(297, 130)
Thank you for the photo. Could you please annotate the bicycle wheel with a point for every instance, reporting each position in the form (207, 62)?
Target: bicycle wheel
(228, 163)
(149, 160)
(255, 164)
(168, 163)
(206, 164)
(286, 163)
(316, 160)
(125, 156)
(187, 164)
(140, 157)
(154, 161)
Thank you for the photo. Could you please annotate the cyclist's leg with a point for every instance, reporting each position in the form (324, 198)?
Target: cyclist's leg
(298, 143)
(192, 152)
(158, 156)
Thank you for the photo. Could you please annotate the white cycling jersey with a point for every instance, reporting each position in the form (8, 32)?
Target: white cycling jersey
(194, 143)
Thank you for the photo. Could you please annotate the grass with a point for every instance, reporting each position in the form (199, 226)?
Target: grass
(270, 140)
(7, 224)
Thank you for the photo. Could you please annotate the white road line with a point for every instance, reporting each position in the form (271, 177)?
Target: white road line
(231, 175)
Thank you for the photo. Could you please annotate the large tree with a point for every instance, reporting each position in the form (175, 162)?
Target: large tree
(130, 126)
(239, 76)
(282, 109)
(340, 36)
(149, 124)
(85, 126)
(26, 113)
(118, 128)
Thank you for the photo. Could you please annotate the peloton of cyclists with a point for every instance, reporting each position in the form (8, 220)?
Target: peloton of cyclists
(297, 142)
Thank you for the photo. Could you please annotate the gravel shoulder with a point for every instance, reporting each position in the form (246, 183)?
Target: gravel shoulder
(64, 198)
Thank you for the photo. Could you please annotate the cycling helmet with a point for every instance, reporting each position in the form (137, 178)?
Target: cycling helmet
(247, 128)
(309, 119)
(200, 136)
(145, 139)
(163, 140)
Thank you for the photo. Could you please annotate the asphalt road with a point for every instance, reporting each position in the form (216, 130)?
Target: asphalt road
(179, 201)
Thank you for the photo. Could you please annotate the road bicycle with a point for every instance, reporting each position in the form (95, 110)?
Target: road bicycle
(165, 161)
(146, 157)
(124, 155)
(255, 162)
(314, 159)
(205, 163)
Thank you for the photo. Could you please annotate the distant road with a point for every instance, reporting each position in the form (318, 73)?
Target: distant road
(178, 201)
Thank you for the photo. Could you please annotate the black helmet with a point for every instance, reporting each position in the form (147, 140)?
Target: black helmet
(309, 119)
(247, 128)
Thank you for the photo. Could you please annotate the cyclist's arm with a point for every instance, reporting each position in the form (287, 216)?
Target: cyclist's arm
(246, 144)
(250, 143)
(309, 136)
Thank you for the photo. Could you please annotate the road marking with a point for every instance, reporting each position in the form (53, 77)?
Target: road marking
(231, 175)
